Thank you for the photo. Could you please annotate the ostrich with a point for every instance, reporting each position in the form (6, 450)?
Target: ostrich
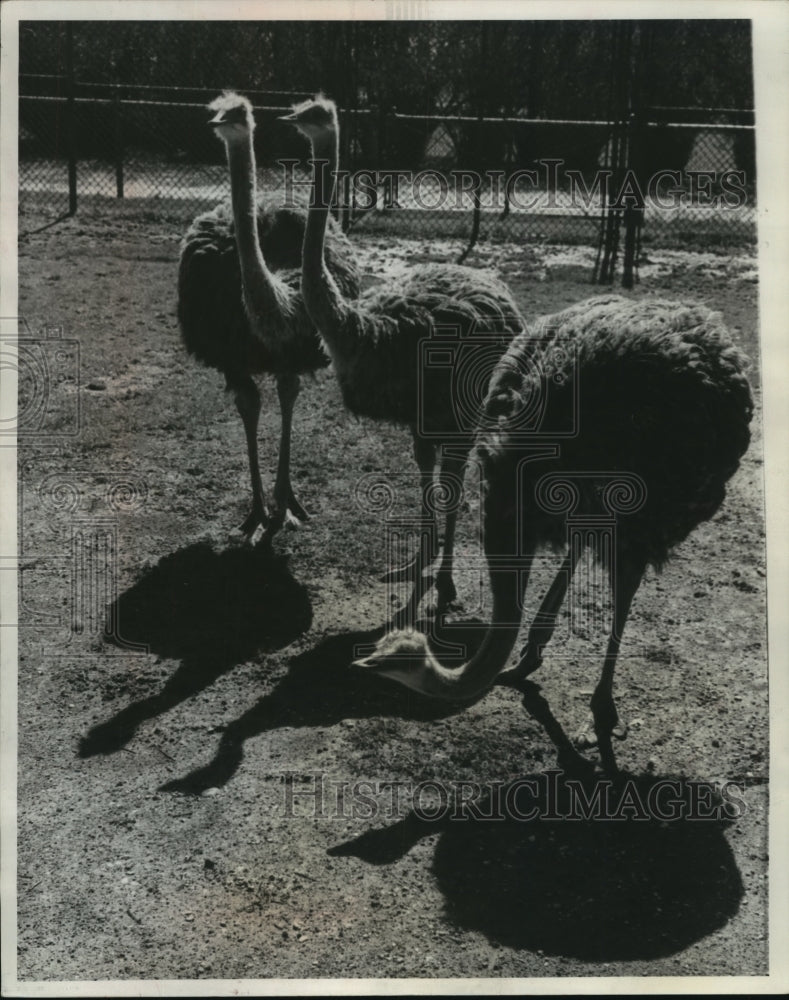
(662, 407)
(239, 305)
(378, 347)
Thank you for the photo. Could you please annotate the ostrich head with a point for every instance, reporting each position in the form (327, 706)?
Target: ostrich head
(404, 656)
(314, 118)
(233, 118)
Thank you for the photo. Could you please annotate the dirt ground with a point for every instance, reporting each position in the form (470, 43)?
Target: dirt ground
(199, 810)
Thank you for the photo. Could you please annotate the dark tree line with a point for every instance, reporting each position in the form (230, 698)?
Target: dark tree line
(550, 69)
(566, 70)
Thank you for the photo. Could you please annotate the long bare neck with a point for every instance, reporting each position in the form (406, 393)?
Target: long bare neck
(478, 673)
(265, 297)
(322, 297)
(509, 563)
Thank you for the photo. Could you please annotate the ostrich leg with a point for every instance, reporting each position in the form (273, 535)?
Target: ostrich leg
(247, 397)
(568, 758)
(425, 455)
(625, 579)
(424, 452)
(544, 623)
(452, 467)
(289, 510)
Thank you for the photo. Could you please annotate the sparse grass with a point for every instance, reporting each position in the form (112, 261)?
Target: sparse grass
(173, 810)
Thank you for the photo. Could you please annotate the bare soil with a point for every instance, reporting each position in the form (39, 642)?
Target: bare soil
(170, 818)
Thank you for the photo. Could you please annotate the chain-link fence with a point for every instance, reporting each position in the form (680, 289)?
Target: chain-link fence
(648, 172)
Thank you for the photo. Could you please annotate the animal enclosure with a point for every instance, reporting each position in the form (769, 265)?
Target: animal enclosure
(207, 790)
(678, 164)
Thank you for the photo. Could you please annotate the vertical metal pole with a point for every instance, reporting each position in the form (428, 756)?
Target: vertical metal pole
(629, 216)
(116, 116)
(604, 255)
(619, 149)
(70, 121)
(476, 143)
(632, 138)
(640, 79)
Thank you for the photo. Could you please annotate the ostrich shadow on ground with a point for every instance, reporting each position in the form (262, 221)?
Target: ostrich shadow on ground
(321, 689)
(212, 610)
(636, 887)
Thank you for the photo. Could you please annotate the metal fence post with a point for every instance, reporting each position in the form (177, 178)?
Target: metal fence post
(70, 106)
(476, 144)
(118, 141)
(633, 216)
(630, 213)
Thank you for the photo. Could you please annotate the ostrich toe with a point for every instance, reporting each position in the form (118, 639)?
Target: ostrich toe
(586, 737)
(258, 517)
(291, 521)
(295, 508)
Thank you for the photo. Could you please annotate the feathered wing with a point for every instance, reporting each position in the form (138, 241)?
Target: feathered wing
(381, 347)
(211, 313)
(495, 306)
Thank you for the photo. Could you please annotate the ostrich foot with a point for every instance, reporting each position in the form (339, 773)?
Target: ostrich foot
(295, 510)
(291, 521)
(438, 607)
(286, 513)
(434, 608)
(258, 517)
(586, 736)
(279, 519)
(445, 599)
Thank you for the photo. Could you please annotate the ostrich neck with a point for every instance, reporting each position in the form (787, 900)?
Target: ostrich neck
(322, 297)
(478, 673)
(508, 572)
(262, 294)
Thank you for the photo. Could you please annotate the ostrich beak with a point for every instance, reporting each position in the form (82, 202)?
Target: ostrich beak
(290, 117)
(366, 663)
(218, 119)
(375, 664)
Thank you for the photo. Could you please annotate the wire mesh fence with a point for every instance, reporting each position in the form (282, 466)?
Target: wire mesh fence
(637, 171)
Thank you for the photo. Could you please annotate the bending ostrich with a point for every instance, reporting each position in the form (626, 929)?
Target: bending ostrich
(663, 408)
(378, 345)
(240, 307)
